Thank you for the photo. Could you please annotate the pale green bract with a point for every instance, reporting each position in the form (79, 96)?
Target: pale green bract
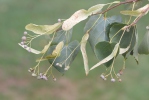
(30, 49)
(84, 54)
(43, 29)
(81, 15)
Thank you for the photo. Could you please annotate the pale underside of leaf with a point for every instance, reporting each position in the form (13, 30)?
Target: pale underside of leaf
(56, 51)
(123, 50)
(30, 49)
(81, 15)
(108, 58)
(43, 29)
(95, 9)
(130, 13)
(77, 17)
(84, 54)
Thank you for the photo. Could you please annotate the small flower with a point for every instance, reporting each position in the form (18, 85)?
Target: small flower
(121, 72)
(105, 79)
(25, 46)
(127, 30)
(44, 77)
(120, 80)
(23, 38)
(59, 20)
(22, 43)
(147, 27)
(66, 68)
(34, 74)
(58, 64)
(112, 80)
(54, 79)
(29, 50)
(118, 74)
(102, 76)
(30, 70)
(25, 33)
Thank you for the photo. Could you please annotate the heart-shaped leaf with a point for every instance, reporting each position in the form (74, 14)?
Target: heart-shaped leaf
(43, 29)
(100, 29)
(62, 35)
(127, 38)
(106, 51)
(66, 57)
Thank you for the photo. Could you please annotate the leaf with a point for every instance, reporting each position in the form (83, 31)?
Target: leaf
(95, 9)
(81, 15)
(108, 58)
(77, 17)
(62, 35)
(56, 51)
(127, 37)
(30, 49)
(46, 47)
(99, 32)
(131, 13)
(144, 46)
(84, 54)
(104, 49)
(68, 54)
(43, 29)
(134, 52)
(123, 50)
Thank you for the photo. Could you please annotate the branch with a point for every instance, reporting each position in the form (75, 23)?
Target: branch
(125, 2)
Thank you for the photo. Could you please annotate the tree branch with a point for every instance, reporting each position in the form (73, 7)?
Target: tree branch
(125, 2)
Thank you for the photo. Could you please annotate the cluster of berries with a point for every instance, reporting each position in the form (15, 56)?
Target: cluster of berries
(24, 41)
(40, 76)
(112, 79)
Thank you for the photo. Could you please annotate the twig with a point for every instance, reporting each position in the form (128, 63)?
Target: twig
(125, 2)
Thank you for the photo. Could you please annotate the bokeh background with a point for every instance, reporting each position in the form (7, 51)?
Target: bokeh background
(17, 84)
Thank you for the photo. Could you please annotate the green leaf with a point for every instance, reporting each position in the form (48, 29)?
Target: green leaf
(106, 52)
(144, 46)
(43, 29)
(66, 57)
(128, 37)
(134, 52)
(99, 32)
(62, 35)
(130, 13)
(84, 54)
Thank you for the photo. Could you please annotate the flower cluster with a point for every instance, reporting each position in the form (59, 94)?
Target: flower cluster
(24, 41)
(40, 75)
(104, 77)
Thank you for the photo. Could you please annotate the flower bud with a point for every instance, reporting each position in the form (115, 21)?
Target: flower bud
(25, 33)
(23, 38)
(112, 80)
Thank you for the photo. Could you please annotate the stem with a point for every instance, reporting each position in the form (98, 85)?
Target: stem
(125, 2)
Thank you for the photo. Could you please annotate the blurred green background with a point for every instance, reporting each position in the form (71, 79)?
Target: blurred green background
(17, 84)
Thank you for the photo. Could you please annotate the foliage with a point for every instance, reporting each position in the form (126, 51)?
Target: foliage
(109, 36)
